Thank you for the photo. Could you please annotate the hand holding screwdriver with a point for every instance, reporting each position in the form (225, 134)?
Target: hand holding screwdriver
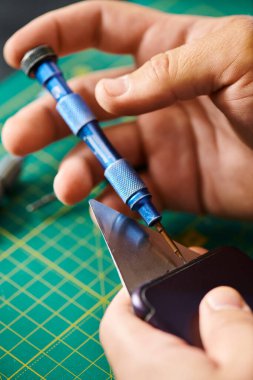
(196, 73)
(40, 62)
(191, 149)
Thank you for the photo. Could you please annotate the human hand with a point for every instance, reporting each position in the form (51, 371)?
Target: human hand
(137, 350)
(195, 149)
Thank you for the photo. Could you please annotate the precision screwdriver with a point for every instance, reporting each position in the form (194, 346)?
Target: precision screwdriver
(40, 63)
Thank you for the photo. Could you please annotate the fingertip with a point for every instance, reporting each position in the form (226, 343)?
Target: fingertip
(60, 189)
(5, 137)
(105, 93)
(131, 94)
(115, 87)
(199, 250)
(224, 298)
(218, 306)
(73, 182)
(102, 97)
(10, 52)
(10, 141)
(226, 328)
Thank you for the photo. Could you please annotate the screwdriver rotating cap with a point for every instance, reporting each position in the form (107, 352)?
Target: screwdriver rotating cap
(35, 56)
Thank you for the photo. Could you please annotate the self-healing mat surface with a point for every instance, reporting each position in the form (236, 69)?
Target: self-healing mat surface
(57, 276)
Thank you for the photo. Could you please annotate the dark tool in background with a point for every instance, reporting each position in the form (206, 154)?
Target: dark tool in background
(11, 19)
(43, 201)
(165, 292)
(40, 63)
(10, 169)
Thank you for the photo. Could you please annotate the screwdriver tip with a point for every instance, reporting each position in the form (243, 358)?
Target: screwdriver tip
(169, 241)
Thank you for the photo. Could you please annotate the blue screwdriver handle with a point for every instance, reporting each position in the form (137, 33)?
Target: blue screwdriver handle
(40, 63)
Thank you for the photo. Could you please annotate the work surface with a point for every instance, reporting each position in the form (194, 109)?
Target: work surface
(57, 274)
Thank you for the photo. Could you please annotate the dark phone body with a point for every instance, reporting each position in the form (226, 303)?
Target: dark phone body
(171, 302)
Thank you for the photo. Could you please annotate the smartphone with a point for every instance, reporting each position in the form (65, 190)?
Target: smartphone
(171, 302)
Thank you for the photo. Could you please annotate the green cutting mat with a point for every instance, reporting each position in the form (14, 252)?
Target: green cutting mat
(57, 276)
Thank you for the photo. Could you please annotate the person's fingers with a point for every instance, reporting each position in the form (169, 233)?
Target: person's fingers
(136, 350)
(226, 327)
(107, 25)
(39, 123)
(80, 171)
(199, 250)
(182, 73)
(127, 339)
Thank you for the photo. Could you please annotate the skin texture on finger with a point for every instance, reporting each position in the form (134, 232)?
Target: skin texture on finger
(100, 24)
(80, 170)
(39, 124)
(136, 350)
(226, 327)
(166, 136)
(235, 101)
(222, 160)
(182, 73)
(193, 156)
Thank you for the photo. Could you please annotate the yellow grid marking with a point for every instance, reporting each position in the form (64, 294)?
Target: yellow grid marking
(8, 352)
(48, 262)
(61, 335)
(103, 301)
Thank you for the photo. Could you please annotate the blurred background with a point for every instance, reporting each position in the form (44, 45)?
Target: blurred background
(14, 14)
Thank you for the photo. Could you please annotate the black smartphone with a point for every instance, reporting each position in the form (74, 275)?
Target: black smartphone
(171, 302)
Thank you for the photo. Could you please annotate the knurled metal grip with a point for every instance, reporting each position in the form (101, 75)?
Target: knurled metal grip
(124, 179)
(75, 112)
(35, 56)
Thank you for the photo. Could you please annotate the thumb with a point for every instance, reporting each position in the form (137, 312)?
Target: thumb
(197, 68)
(226, 328)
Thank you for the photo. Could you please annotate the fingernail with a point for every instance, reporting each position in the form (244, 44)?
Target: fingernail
(117, 86)
(225, 298)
